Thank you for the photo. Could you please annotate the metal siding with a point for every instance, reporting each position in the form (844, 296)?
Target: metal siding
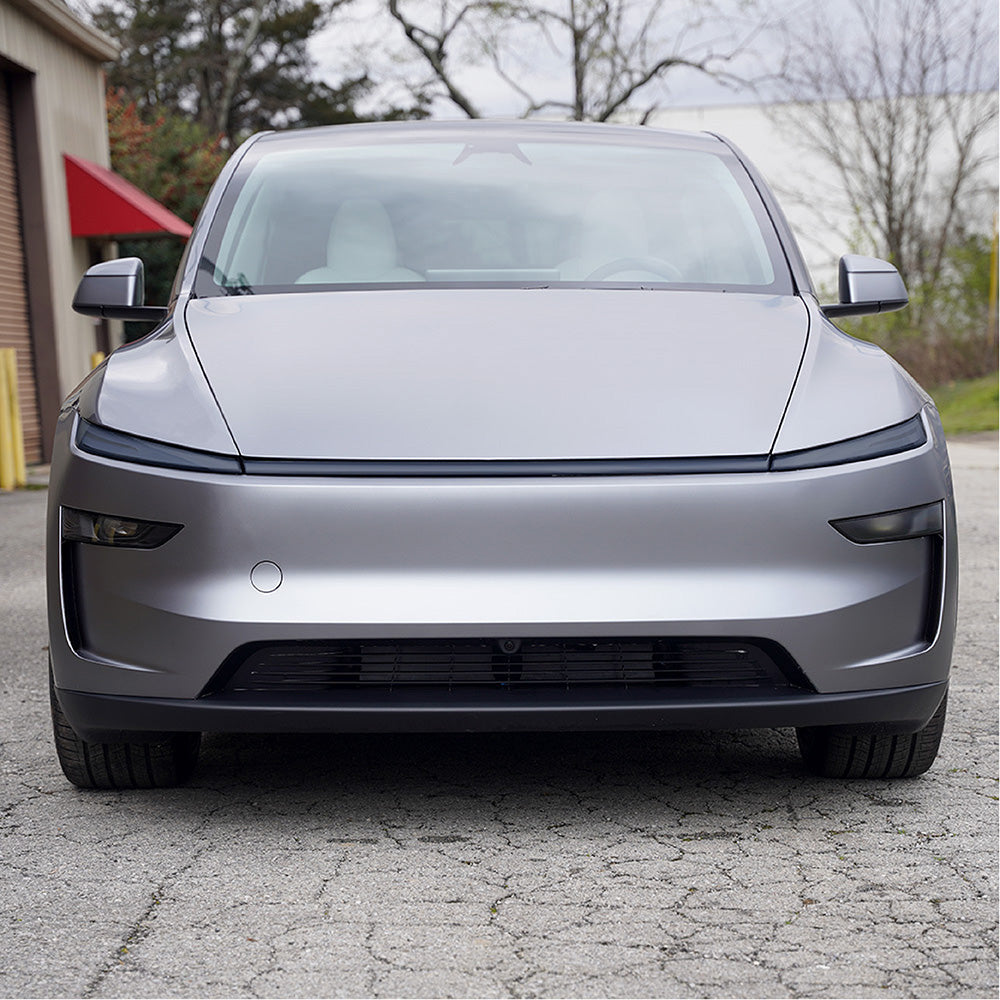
(67, 99)
(15, 328)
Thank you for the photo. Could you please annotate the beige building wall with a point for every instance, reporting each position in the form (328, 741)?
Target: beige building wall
(65, 57)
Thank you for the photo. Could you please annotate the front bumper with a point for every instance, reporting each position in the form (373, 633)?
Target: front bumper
(137, 635)
(110, 718)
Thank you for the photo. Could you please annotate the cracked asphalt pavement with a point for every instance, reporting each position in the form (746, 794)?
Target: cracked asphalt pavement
(604, 865)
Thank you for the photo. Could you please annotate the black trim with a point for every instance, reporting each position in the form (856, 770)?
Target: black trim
(135, 314)
(500, 468)
(98, 717)
(70, 595)
(833, 310)
(107, 443)
(935, 587)
(662, 285)
(892, 440)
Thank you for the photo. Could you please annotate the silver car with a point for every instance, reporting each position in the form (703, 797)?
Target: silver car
(496, 426)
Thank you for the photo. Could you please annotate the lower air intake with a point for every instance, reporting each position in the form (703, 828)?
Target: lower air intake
(621, 663)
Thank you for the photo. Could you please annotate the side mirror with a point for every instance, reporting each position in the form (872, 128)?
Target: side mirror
(116, 289)
(867, 286)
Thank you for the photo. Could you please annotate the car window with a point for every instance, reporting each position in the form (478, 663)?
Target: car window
(490, 212)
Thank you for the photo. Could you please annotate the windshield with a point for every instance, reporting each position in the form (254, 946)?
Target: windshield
(490, 212)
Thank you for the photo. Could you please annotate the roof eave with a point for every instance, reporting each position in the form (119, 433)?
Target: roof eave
(61, 21)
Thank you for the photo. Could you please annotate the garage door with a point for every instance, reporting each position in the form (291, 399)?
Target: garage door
(15, 330)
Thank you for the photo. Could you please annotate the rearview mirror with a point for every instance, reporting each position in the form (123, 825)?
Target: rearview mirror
(867, 286)
(116, 289)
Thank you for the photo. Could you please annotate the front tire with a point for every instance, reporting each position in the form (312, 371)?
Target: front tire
(159, 764)
(836, 752)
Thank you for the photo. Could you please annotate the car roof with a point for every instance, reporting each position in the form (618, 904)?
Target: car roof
(512, 129)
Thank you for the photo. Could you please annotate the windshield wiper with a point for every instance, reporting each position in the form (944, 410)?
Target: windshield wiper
(239, 286)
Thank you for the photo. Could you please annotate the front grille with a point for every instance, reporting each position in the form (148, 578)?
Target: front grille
(510, 664)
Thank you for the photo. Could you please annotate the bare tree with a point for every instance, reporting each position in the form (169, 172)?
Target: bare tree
(611, 51)
(433, 41)
(899, 98)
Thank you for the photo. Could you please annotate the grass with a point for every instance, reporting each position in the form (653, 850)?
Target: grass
(969, 405)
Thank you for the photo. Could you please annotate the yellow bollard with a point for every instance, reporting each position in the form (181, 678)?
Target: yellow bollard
(6, 433)
(16, 429)
(96, 358)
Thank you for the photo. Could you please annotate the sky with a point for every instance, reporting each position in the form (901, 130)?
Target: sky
(364, 26)
(362, 36)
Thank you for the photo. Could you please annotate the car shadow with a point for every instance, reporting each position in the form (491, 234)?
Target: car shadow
(416, 767)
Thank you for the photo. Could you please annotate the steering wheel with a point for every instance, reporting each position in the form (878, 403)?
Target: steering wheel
(653, 265)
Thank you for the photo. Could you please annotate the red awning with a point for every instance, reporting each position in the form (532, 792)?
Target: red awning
(104, 205)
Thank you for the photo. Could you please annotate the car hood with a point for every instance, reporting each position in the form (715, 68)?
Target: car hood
(500, 373)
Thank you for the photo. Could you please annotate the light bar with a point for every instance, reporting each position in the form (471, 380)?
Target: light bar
(97, 440)
(888, 441)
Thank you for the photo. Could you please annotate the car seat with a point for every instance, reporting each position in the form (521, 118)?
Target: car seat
(361, 248)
